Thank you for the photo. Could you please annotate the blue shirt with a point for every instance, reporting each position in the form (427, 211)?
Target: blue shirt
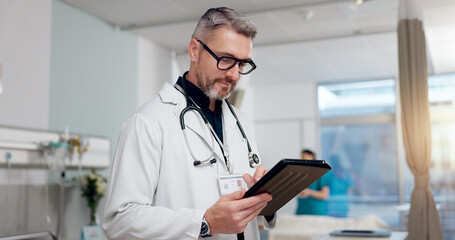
(313, 206)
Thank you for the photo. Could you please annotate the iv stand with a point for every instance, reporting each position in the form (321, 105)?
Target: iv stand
(67, 145)
(61, 205)
(64, 146)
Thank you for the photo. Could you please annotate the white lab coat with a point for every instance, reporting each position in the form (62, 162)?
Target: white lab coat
(154, 191)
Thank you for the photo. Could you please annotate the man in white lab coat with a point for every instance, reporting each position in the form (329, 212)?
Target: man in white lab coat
(168, 184)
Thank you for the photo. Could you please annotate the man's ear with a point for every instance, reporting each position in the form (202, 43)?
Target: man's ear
(193, 49)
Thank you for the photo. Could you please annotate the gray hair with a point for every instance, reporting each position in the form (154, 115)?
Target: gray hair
(220, 17)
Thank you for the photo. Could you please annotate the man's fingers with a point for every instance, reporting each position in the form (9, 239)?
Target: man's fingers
(252, 213)
(235, 195)
(258, 174)
(254, 200)
(260, 171)
(248, 180)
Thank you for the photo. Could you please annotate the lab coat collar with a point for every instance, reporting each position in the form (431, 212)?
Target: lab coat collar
(197, 94)
(229, 125)
(193, 121)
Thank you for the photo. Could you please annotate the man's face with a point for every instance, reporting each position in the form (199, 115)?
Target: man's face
(218, 84)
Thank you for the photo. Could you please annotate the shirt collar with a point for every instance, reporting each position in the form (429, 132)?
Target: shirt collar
(198, 95)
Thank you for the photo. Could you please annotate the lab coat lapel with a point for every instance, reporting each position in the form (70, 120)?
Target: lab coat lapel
(193, 121)
(229, 126)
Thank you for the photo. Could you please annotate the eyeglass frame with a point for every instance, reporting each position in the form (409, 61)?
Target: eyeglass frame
(236, 60)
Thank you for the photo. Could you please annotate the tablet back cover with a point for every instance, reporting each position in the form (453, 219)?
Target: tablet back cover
(286, 180)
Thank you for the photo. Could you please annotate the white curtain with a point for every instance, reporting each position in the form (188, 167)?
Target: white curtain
(423, 219)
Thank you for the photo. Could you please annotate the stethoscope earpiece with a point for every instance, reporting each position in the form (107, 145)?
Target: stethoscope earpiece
(197, 162)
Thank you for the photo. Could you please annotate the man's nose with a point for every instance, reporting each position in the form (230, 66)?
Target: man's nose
(234, 72)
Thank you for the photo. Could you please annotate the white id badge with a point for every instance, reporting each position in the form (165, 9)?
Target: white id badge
(231, 183)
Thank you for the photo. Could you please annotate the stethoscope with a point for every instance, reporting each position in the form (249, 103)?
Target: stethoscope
(252, 157)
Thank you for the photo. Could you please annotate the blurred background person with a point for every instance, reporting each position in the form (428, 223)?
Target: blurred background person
(313, 200)
(338, 204)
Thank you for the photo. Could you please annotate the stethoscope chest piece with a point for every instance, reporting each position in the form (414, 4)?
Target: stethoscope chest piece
(253, 159)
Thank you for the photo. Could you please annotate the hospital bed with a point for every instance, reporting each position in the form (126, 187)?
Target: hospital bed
(310, 227)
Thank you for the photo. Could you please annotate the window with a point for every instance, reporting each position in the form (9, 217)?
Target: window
(356, 98)
(442, 112)
(358, 132)
(358, 127)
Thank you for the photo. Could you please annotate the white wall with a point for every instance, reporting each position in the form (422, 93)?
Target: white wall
(155, 67)
(290, 101)
(285, 121)
(31, 79)
(182, 62)
(25, 47)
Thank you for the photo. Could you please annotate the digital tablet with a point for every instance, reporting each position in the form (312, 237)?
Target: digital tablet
(362, 233)
(286, 180)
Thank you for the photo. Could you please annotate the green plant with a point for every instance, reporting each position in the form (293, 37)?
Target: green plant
(93, 187)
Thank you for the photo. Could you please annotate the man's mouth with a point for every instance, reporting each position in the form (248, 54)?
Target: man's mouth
(225, 84)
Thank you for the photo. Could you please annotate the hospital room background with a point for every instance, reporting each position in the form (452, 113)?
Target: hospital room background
(66, 72)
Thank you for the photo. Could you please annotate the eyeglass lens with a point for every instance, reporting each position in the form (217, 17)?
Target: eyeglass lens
(226, 63)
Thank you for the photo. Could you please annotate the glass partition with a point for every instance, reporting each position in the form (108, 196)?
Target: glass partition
(358, 137)
(441, 93)
(356, 98)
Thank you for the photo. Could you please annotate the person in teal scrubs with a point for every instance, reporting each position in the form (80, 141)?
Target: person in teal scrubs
(338, 204)
(313, 200)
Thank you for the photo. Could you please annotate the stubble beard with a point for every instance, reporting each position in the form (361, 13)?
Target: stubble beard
(210, 90)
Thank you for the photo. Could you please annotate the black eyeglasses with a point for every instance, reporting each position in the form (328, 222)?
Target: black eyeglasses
(225, 63)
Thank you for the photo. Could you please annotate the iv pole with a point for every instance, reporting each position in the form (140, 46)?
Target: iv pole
(66, 146)
(62, 192)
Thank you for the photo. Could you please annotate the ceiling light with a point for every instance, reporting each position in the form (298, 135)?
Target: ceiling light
(355, 5)
(306, 14)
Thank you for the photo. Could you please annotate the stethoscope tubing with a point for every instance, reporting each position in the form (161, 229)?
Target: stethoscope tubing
(210, 159)
(213, 136)
(253, 158)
